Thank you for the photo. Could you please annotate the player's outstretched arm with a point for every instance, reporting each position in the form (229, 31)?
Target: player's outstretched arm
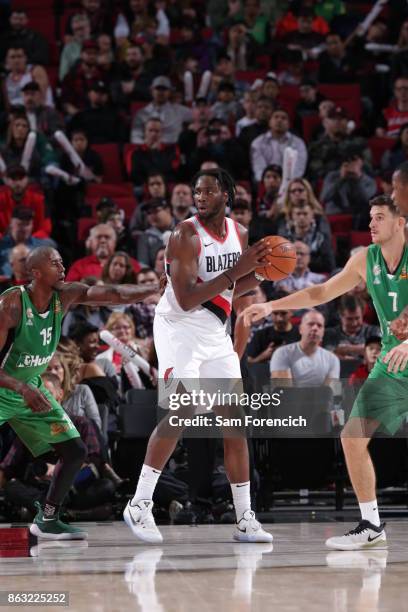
(183, 252)
(105, 295)
(10, 315)
(313, 296)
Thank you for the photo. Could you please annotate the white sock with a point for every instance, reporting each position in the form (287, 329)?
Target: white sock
(369, 512)
(146, 484)
(241, 496)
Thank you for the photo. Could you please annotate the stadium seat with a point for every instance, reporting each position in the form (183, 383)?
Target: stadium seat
(309, 124)
(250, 76)
(359, 239)
(109, 153)
(84, 225)
(378, 146)
(101, 190)
(340, 224)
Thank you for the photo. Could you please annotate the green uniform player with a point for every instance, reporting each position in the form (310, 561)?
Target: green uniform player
(25, 355)
(30, 328)
(384, 396)
(383, 400)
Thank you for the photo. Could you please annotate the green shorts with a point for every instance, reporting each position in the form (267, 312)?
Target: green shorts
(383, 397)
(38, 430)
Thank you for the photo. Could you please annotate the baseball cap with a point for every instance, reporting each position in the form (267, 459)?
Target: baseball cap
(98, 86)
(16, 172)
(338, 112)
(162, 81)
(31, 86)
(153, 204)
(23, 213)
(240, 204)
(272, 76)
(106, 203)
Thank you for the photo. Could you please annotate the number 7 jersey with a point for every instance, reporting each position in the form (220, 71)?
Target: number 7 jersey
(30, 346)
(389, 292)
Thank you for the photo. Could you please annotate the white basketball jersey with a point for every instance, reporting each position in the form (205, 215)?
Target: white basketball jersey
(216, 256)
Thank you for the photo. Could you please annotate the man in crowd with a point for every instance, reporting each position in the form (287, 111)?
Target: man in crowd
(160, 225)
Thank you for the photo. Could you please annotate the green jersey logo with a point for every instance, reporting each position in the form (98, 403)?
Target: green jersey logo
(32, 361)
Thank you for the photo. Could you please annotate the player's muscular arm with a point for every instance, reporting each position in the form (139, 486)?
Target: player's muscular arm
(183, 251)
(248, 282)
(339, 284)
(109, 295)
(10, 315)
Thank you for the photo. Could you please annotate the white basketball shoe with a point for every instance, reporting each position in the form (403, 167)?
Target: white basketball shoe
(139, 518)
(248, 529)
(365, 535)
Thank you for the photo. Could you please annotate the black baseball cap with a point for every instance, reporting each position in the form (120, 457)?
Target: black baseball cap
(16, 171)
(153, 204)
(23, 213)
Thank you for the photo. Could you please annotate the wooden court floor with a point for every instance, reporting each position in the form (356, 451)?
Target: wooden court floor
(200, 569)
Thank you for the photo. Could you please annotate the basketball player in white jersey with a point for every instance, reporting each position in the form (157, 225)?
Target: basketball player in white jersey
(205, 269)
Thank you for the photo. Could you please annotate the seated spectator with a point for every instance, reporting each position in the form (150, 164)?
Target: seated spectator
(265, 341)
(102, 244)
(325, 154)
(20, 72)
(154, 154)
(347, 340)
(116, 218)
(227, 106)
(310, 100)
(77, 81)
(100, 120)
(304, 37)
(12, 150)
(160, 225)
(86, 337)
(270, 89)
(348, 190)
(18, 192)
(269, 147)
(302, 223)
(224, 70)
(171, 114)
(19, 273)
(249, 105)
(142, 313)
(19, 35)
(294, 71)
(192, 47)
(71, 52)
(132, 82)
(299, 192)
(306, 363)
(398, 154)
(241, 212)
(217, 144)
(268, 191)
(118, 270)
(20, 231)
(122, 327)
(95, 315)
(372, 351)
(263, 112)
(336, 64)
(240, 47)
(159, 261)
(94, 169)
(256, 21)
(301, 277)
(182, 205)
(155, 187)
(98, 15)
(43, 119)
(396, 114)
(76, 399)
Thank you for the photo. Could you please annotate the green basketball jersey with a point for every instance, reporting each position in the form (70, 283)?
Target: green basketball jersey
(30, 346)
(388, 291)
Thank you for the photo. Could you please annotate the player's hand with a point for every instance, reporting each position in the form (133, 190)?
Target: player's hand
(256, 312)
(399, 327)
(35, 400)
(252, 258)
(397, 358)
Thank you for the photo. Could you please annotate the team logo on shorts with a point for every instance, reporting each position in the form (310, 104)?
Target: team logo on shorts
(168, 377)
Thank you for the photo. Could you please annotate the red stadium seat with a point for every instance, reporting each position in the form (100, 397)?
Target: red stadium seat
(309, 124)
(136, 106)
(359, 239)
(250, 76)
(340, 224)
(111, 161)
(101, 190)
(84, 225)
(378, 146)
(127, 157)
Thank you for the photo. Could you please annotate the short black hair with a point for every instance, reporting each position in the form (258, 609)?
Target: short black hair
(223, 178)
(81, 330)
(372, 340)
(383, 200)
(351, 303)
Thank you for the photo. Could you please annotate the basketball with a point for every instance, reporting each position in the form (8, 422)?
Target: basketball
(282, 260)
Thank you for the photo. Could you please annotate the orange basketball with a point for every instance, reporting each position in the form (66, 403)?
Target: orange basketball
(282, 260)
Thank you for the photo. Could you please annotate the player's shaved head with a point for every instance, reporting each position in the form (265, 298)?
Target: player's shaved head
(38, 256)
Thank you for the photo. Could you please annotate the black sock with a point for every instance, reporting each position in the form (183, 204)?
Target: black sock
(50, 510)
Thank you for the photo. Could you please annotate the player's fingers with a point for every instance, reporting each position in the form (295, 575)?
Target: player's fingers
(388, 356)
